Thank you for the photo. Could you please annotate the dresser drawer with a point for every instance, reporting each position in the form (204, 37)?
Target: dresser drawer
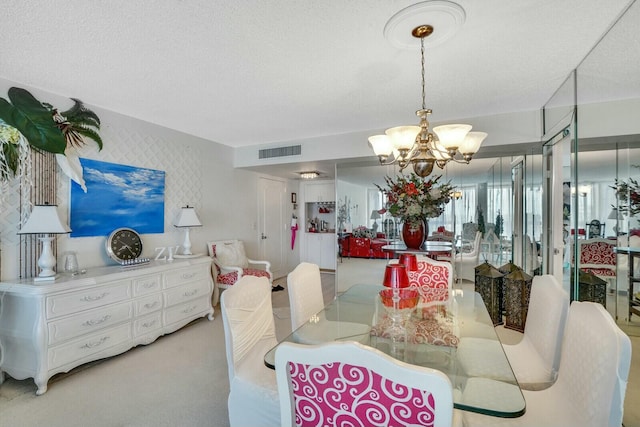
(187, 292)
(74, 302)
(88, 345)
(148, 304)
(187, 310)
(147, 284)
(182, 275)
(88, 322)
(147, 324)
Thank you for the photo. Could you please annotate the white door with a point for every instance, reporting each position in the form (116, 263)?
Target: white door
(272, 223)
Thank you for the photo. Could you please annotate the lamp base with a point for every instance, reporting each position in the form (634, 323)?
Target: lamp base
(44, 279)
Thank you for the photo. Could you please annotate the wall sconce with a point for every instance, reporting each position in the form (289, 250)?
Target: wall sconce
(456, 195)
(187, 218)
(44, 219)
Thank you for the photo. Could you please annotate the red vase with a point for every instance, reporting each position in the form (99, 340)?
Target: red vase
(414, 237)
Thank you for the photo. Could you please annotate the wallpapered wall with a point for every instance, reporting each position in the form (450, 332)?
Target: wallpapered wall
(198, 173)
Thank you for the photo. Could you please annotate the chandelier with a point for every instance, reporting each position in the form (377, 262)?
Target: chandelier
(416, 145)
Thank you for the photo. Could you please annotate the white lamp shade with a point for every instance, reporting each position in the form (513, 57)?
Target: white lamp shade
(187, 218)
(472, 142)
(403, 137)
(615, 214)
(451, 136)
(375, 215)
(381, 145)
(44, 219)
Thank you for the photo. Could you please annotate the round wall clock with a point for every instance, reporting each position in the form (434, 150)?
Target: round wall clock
(124, 244)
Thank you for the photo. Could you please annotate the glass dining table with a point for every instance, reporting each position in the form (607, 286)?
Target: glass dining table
(433, 338)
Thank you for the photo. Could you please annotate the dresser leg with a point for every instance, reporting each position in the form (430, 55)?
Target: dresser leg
(210, 316)
(41, 383)
(1, 376)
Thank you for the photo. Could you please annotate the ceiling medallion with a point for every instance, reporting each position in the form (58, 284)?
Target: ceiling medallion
(444, 16)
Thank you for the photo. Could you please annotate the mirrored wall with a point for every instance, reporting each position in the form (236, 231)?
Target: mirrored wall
(599, 164)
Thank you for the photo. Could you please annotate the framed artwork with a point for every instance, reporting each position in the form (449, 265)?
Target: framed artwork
(294, 198)
(117, 196)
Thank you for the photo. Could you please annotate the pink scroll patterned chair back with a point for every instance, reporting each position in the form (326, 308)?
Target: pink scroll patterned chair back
(434, 280)
(348, 384)
(597, 256)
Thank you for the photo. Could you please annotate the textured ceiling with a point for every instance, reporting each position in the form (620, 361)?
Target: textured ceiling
(243, 72)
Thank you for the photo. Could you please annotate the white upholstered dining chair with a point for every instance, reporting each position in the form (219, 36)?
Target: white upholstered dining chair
(535, 359)
(305, 293)
(346, 383)
(249, 332)
(592, 378)
(465, 263)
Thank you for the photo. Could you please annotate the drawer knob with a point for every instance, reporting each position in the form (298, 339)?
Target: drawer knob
(149, 285)
(97, 321)
(190, 293)
(151, 305)
(188, 275)
(90, 298)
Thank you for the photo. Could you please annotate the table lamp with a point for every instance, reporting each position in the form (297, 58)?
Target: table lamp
(44, 219)
(187, 218)
(616, 215)
(410, 261)
(375, 215)
(395, 276)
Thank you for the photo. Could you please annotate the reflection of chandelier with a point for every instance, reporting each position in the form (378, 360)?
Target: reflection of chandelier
(417, 145)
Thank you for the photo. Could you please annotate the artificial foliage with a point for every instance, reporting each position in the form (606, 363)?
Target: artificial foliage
(628, 195)
(414, 199)
(26, 122)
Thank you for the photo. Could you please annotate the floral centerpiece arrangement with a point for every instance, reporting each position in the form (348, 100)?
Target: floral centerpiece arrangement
(414, 199)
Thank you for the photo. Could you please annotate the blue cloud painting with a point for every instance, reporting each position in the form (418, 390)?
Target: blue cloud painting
(117, 196)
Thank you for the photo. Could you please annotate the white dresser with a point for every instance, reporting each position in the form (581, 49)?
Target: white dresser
(47, 328)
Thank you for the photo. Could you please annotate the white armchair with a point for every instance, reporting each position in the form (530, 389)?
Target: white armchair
(230, 263)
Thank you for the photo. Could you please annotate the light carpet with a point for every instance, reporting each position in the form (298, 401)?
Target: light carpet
(179, 380)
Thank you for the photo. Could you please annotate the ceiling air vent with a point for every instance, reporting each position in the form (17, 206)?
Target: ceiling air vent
(292, 150)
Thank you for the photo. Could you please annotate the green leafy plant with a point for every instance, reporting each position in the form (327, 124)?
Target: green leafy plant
(481, 225)
(499, 224)
(628, 195)
(42, 127)
(33, 120)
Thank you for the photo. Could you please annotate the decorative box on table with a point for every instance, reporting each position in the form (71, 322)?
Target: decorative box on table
(518, 291)
(591, 288)
(488, 283)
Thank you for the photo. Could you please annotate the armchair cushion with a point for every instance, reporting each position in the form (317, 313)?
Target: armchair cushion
(232, 277)
(231, 254)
